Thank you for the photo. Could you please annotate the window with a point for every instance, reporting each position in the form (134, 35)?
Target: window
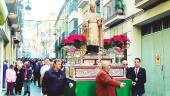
(156, 26)
(108, 12)
(166, 22)
(146, 29)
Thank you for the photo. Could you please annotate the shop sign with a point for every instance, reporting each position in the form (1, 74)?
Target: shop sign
(157, 59)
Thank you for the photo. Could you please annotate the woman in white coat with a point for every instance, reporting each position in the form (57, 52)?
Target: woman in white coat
(10, 78)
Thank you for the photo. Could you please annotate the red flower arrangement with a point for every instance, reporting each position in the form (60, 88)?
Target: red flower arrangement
(120, 41)
(107, 40)
(108, 43)
(75, 40)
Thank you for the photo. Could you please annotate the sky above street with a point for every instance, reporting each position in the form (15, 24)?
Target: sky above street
(41, 9)
(38, 25)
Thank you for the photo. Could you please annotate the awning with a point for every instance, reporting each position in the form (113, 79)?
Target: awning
(3, 12)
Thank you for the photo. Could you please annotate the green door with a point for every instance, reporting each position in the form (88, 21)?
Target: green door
(158, 69)
(152, 47)
(166, 42)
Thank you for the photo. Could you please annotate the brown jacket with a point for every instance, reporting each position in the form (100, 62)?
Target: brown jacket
(105, 85)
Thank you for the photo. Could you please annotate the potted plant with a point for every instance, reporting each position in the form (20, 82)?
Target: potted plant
(75, 47)
(75, 40)
(108, 43)
(120, 7)
(121, 41)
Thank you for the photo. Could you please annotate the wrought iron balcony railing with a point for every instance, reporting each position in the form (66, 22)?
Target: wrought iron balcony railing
(113, 12)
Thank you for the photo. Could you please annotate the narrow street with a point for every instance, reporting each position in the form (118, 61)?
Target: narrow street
(35, 91)
(85, 47)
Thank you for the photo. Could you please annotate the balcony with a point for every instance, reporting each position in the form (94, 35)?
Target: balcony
(72, 7)
(73, 29)
(144, 4)
(11, 5)
(113, 13)
(13, 18)
(114, 19)
(10, 1)
(82, 3)
(17, 37)
(15, 14)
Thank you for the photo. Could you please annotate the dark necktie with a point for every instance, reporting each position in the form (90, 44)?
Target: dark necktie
(136, 71)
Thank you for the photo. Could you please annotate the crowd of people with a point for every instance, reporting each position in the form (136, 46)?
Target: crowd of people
(50, 75)
(27, 71)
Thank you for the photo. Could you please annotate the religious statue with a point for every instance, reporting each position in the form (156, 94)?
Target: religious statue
(93, 30)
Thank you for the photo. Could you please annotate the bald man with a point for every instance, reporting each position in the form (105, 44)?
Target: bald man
(105, 84)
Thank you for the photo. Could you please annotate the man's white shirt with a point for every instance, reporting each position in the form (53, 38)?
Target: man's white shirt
(44, 69)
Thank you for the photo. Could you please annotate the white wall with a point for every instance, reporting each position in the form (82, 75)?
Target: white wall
(134, 50)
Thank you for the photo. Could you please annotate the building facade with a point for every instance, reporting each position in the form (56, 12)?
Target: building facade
(9, 31)
(146, 23)
(4, 37)
(61, 28)
(15, 23)
(154, 26)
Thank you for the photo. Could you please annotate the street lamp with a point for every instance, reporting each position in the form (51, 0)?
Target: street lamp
(28, 6)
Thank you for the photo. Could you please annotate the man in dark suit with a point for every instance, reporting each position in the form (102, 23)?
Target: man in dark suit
(54, 81)
(138, 76)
